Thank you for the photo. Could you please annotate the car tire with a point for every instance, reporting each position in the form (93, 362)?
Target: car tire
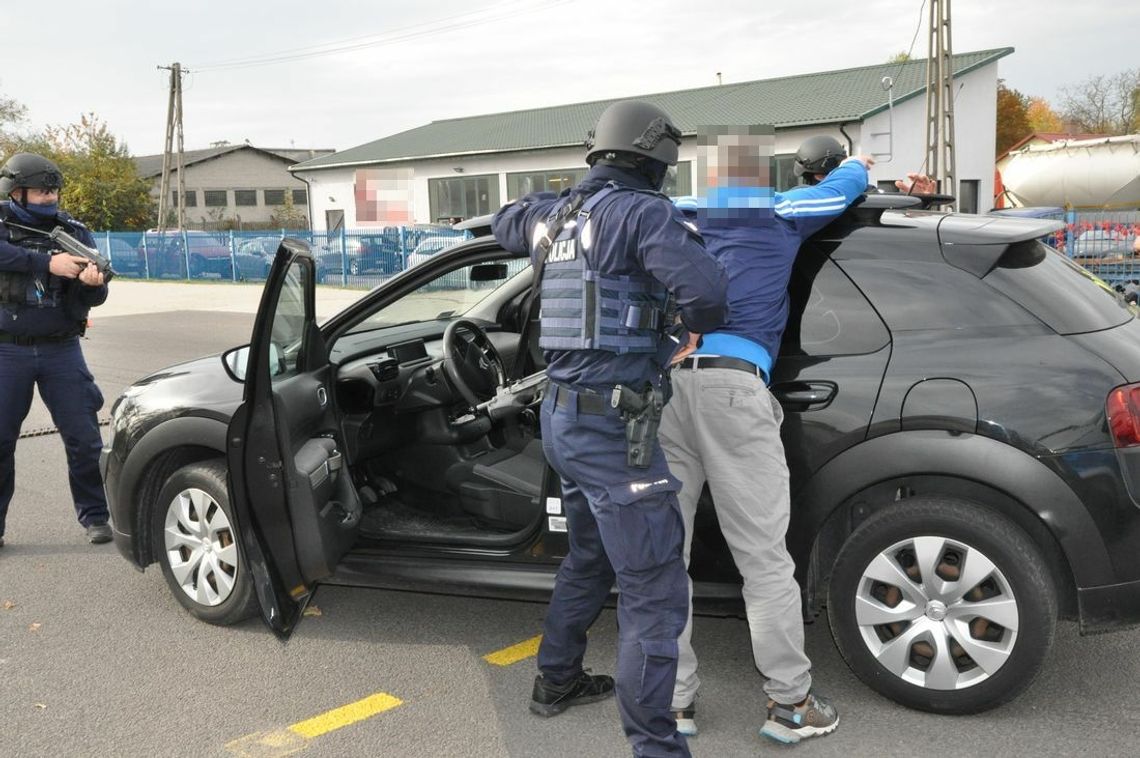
(895, 619)
(209, 580)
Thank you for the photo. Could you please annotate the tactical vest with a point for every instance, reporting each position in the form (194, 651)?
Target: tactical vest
(587, 309)
(19, 287)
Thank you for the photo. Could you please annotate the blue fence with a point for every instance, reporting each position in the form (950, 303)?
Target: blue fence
(349, 258)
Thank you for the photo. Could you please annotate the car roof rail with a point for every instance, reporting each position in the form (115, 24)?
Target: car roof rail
(870, 207)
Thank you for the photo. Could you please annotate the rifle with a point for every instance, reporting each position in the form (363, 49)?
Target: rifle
(69, 244)
(515, 396)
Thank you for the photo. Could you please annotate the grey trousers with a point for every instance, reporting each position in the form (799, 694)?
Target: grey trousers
(723, 426)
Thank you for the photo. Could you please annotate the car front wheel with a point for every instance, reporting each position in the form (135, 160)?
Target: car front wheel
(942, 605)
(197, 544)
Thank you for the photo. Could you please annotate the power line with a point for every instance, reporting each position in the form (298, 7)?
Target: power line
(403, 34)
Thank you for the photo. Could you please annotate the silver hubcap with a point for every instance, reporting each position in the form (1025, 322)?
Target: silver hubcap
(936, 613)
(200, 547)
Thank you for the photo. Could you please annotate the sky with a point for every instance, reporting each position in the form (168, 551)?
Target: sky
(398, 65)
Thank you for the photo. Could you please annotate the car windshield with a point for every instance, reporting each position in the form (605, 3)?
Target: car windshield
(450, 293)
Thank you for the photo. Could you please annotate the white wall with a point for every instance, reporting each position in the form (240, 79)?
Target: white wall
(975, 133)
(975, 113)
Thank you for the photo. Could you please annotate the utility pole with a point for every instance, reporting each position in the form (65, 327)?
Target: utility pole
(169, 156)
(940, 100)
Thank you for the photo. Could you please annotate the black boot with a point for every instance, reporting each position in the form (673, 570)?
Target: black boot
(549, 699)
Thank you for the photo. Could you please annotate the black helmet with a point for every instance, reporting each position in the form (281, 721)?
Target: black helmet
(29, 170)
(818, 155)
(631, 126)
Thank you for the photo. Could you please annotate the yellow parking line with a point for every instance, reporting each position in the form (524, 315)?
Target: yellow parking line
(514, 653)
(295, 737)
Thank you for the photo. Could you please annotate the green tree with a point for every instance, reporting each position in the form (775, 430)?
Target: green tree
(289, 216)
(900, 57)
(1012, 118)
(101, 186)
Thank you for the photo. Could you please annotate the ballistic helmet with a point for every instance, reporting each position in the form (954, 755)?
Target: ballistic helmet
(29, 170)
(634, 127)
(818, 155)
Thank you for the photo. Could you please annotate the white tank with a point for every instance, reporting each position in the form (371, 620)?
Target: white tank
(1096, 173)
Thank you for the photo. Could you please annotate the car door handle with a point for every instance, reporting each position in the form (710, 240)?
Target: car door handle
(805, 393)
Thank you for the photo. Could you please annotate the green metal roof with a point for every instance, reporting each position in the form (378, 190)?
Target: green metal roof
(826, 97)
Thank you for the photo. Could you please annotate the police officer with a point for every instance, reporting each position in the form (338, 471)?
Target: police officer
(612, 251)
(818, 156)
(44, 299)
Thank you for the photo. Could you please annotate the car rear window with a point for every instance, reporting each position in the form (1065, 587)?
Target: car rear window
(1060, 293)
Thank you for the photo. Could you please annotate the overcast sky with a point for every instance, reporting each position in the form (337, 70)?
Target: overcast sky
(412, 63)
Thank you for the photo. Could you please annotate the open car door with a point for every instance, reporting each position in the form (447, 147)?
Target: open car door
(297, 508)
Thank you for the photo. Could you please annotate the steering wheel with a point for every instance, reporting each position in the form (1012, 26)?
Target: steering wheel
(471, 363)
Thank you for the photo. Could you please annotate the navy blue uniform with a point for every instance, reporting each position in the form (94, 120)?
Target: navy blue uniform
(41, 318)
(623, 522)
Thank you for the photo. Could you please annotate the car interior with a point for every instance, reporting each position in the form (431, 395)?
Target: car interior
(427, 466)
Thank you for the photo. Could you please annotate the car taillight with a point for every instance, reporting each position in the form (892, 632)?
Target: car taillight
(1123, 410)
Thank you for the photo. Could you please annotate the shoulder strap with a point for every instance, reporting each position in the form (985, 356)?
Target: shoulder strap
(553, 229)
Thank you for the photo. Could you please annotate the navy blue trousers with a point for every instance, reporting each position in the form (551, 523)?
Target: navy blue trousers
(623, 523)
(69, 392)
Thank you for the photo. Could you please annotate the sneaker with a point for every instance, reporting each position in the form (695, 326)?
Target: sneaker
(99, 533)
(549, 699)
(791, 723)
(686, 721)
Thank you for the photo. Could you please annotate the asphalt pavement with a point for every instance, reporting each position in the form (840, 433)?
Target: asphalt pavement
(97, 659)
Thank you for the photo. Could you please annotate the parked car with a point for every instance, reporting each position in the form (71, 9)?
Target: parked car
(362, 254)
(254, 257)
(189, 252)
(125, 259)
(962, 425)
(430, 246)
(1100, 244)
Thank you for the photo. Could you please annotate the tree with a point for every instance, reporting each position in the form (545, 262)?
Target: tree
(1042, 118)
(1012, 119)
(900, 57)
(1104, 104)
(289, 216)
(101, 186)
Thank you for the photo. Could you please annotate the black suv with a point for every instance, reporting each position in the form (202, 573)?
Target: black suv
(962, 426)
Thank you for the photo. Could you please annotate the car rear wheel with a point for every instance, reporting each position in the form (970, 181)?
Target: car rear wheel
(942, 605)
(197, 543)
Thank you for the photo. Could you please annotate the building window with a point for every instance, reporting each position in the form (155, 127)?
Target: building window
(968, 195)
(191, 198)
(524, 183)
(275, 197)
(679, 182)
(245, 197)
(215, 198)
(785, 176)
(300, 197)
(463, 198)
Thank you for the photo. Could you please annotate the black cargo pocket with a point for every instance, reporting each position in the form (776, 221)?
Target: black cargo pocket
(658, 673)
(94, 394)
(648, 522)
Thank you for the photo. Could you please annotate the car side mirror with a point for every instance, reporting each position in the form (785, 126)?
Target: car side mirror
(489, 272)
(236, 360)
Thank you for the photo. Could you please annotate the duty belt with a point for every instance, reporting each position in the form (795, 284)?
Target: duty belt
(588, 402)
(26, 340)
(721, 361)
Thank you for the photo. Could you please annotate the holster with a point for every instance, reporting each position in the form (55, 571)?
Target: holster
(641, 412)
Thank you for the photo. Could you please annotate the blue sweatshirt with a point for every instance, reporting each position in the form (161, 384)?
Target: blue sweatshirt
(758, 257)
